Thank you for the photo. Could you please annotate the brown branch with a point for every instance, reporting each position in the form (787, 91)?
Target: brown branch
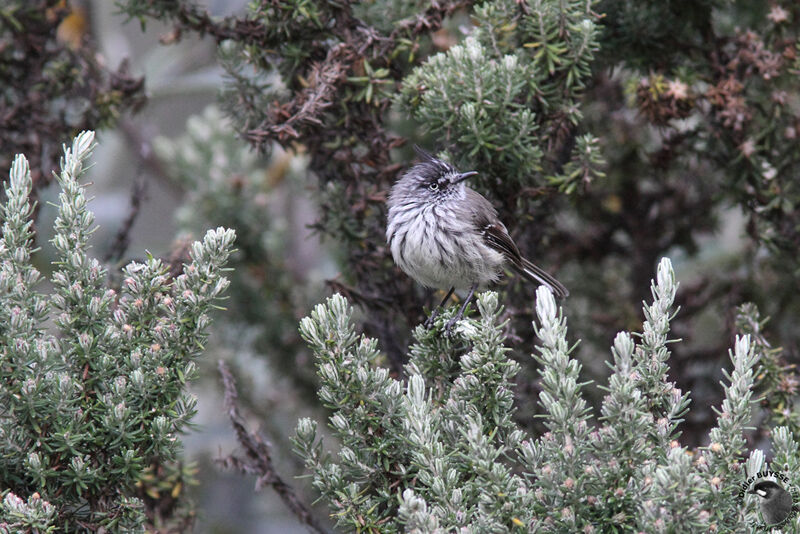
(429, 20)
(258, 459)
(358, 297)
(94, 94)
(187, 16)
(307, 107)
(123, 238)
(138, 138)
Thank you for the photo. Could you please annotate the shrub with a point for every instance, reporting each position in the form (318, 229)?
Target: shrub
(441, 452)
(92, 379)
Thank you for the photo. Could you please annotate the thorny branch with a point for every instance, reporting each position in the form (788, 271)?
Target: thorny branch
(187, 16)
(359, 41)
(258, 459)
(307, 107)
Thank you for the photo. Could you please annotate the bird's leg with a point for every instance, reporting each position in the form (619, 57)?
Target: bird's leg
(449, 325)
(435, 313)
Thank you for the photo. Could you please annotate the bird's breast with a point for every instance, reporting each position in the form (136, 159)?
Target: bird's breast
(440, 249)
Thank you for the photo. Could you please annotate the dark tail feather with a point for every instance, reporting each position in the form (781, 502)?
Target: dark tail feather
(536, 274)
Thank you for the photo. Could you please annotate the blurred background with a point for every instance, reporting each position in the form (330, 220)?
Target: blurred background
(676, 137)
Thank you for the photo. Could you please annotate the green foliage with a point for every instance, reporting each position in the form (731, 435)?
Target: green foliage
(739, 102)
(777, 380)
(687, 109)
(451, 84)
(445, 435)
(91, 400)
(510, 90)
(440, 451)
(35, 515)
(384, 14)
(226, 181)
(698, 113)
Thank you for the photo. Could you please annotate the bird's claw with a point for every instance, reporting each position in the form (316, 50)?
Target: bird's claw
(431, 319)
(448, 327)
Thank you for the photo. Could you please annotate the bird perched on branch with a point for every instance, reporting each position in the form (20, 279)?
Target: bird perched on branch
(446, 236)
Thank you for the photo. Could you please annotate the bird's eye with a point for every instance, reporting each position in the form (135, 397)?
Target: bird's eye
(433, 186)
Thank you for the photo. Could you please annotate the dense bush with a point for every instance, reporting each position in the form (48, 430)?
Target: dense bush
(92, 379)
(440, 451)
(608, 134)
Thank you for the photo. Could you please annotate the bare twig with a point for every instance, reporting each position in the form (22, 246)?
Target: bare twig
(359, 297)
(326, 78)
(138, 139)
(187, 16)
(123, 238)
(258, 460)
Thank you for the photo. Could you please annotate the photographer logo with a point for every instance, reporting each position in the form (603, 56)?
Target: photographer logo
(777, 499)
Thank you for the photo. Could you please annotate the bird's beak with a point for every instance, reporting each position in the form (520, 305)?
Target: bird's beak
(461, 177)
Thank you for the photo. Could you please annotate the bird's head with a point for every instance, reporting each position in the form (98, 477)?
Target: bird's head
(432, 180)
(766, 489)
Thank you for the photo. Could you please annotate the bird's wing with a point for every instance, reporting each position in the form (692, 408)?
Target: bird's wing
(494, 232)
(496, 236)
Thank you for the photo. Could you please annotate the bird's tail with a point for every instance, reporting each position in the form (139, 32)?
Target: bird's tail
(536, 274)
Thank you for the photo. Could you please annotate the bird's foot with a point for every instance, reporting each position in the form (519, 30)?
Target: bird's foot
(448, 326)
(431, 319)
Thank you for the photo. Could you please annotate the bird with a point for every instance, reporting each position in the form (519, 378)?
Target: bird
(447, 236)
(776, 502)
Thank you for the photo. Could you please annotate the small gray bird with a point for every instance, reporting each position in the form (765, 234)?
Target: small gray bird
(445, 235)
(776, 502)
